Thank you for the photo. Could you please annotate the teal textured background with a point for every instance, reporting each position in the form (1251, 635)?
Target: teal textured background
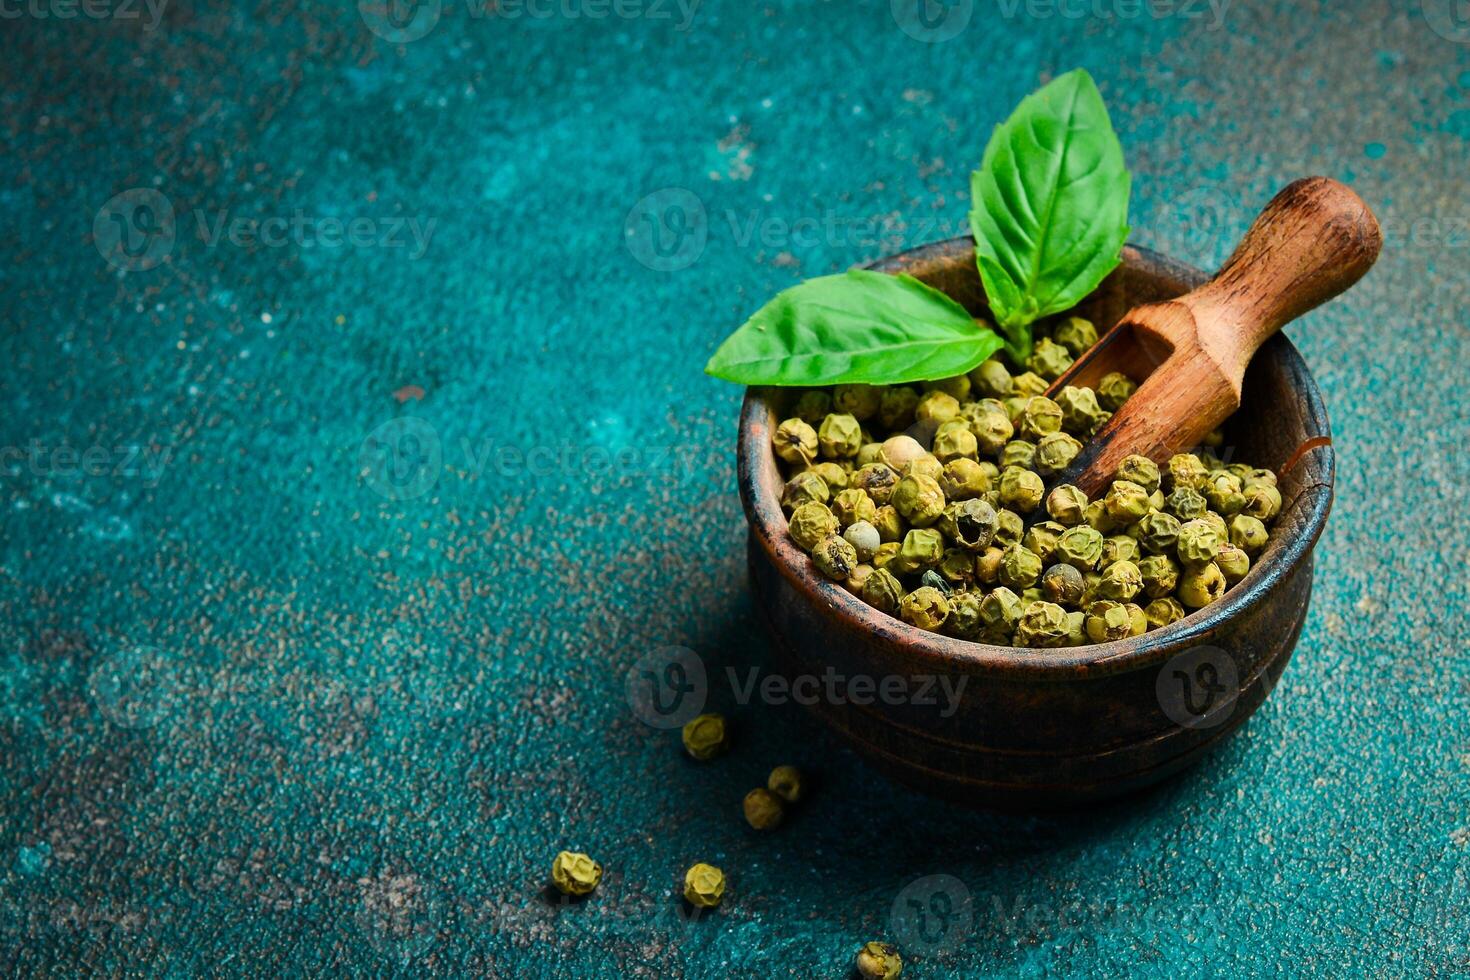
(259, 716)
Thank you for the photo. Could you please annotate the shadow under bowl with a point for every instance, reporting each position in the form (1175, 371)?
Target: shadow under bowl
(1022, 729)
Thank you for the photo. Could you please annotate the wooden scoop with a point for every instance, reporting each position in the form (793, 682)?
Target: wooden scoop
(1314, 240)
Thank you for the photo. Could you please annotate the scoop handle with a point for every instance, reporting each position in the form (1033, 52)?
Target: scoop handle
(1314, 240)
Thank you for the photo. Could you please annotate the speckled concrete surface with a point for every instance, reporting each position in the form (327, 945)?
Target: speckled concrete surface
(267, 708)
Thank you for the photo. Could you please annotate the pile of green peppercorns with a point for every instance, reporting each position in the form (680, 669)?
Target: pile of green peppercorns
(916, 499)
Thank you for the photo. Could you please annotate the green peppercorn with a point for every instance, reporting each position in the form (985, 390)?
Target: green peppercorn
(925, 607)
(1223, 492)
(1075, 334)
(1114, 389)
(840, 436)
(1055, 453)
(1136, 618)
(1158, 532)
(1262, 500)
(804, 487)
(1160, 575)
(1020, 567)
(896, 407)
(795, 441)
(1081, 547)
(763, 809)
(922, 548)
(1201, 585)
(883, 591)
(857, 579)
(1000, 611)
(1020, 490)
(879, 961)
(858, 400)
(1248, 533)
(992, 429)
(1118, 548)
(1120, 581)
(574, 873)
(1139, 470)
(1008, 528)
(1233, 563)
(918, 499)
(887, 551)
(813, 406)
(1018, 454)
(1108, 621)
(971, 523)
(954, 440)
(987, 565)
(705, 737)
(1079, 409)
(1125, 502)
(1218, 523)
(786, 782)
(704, 886)
(963, 622)
(1014, 407)
(1040, 417)
(1096, 516)
(899, 451)
(925, 465)
(1042, 624)
(1162, 612)
(1186, 503)
(877, 480)
(963, 479)
(991, 379)
(810, 523)
(868, 453)
(1062, 584)
(1199, 542)
(864, 538)
(937, 406)
(1028, 384)
(1066, 505)
(835, 557)
(851, 506)
(889, 524)
(1186, 470)
(1076, 629)
(1049, 359)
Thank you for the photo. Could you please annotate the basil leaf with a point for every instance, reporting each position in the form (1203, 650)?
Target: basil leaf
(1049, 205)
(861, 326)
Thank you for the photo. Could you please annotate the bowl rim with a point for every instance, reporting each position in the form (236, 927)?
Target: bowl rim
(761, 500)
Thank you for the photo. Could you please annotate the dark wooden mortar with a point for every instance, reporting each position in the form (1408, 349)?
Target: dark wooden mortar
(1048, 728)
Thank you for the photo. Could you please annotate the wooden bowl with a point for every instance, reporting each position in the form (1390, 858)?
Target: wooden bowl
(1039, 729)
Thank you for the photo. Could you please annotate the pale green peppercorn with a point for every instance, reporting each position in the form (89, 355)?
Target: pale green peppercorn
(1028, 383)
(1080, 409)
(1081, 547)
(1158, 532)
(851, 506)
(922, 548)
(1042, 538)
(1136, 618)
(1186, 503)
(705, 736)
(1114, 389)
(1020, 567)
(883, 591)
(1067, 505)
(1018, 454)
(786, 782)
(1042, 624)
(925, 607)
(963, 479)
(1201, 585)
(1221, 526)
(889, 524)
(964, 621)
(887, 551)
(954, 440)
(763, 809)
(1248, 533)
(1075, 334)
(1009, 528)
(1108, 621)
(813, 406)
(992, 430)
(840, 436)
(1049, 359)
(858, 400)
(1062, 584)
(1076, 628)
(1160, 575)
(896, 407)
(956, 568)
(918, 499)
(810, 523)
(1258, 475)
(972, 523)
(899, 451)
(1140, 470)
(1233, 563)
(868, 453)
(858, 579)
(937, 406)
(987, 565)
(1223, 492)
(991, 379)
(1040, 417)
(795, 441)
(1020, 490)
(1125, 502)
(804, 487)
(1163, 612)
(1262, 500)
(1186, 470)
(1118, 548)
(835, 557)
(1055, 453)
(864, 538)
(1000, 611)
(1199, 542)
(1120, 581)
(1014, 406)
(925, 465)
(879, 961)
(877, 480)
